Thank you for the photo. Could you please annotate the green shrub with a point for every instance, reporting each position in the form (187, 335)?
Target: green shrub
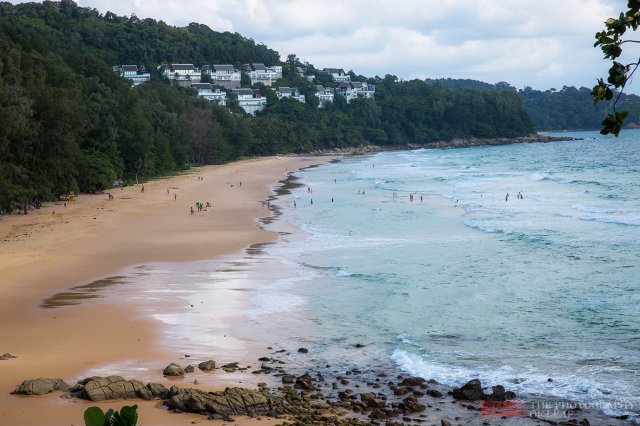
(128, 416)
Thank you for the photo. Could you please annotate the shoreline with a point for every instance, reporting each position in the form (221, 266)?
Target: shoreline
(453, 143)
(151, 410)
(59, 247)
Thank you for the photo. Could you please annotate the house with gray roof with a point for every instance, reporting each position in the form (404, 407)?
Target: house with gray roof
(356, 89)
(324, 94)
(211, 92)
(338, 74)
(137, 75)
(224, 75)
(289, 92)
(250, 100)
(259, 73)
(183, 74)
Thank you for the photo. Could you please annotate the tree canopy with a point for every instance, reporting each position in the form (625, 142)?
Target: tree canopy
(611, 41)
(68, 122)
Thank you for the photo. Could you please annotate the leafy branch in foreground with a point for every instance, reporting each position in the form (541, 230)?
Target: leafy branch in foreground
(128, 416)
(610, 41)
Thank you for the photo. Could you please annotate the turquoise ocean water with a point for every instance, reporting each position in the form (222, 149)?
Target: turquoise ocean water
(459, 283)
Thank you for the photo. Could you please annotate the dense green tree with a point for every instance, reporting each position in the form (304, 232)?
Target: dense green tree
(68, 122)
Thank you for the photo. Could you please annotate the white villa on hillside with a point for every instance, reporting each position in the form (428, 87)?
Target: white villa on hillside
(133, 73)
(259, 73)
(356, 89)
(338, 74)
(250, 100)
(223, 75)
(211, 92)
(325, 94)
(183, 74)
(289, 92)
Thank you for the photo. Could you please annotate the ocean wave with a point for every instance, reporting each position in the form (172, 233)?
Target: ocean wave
(342, 273)
(585, 389)
(536, 177)
(483, 228)
(605, 215)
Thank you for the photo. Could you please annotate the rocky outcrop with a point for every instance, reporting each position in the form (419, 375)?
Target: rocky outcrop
(117, 387)
(453, 143)
(304, 382)
(207, 365)
(5, 356)
(471, 391)
(499, 394)
(230, 402)
(41, 386)
(217, 405)
(173, 370)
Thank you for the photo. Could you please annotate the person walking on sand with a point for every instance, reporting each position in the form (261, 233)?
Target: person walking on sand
(142, 190)
(175, 197)
(191, 210)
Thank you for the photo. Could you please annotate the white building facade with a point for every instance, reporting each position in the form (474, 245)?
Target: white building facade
(223, 75)
(290, 92)
(356, 89)
(184, 74)
(137, 75)
(324, 94)
(250, 100)
(338, 74)
(211, 92)
(259, 73)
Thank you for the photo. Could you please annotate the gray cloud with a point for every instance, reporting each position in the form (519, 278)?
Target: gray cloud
(540, 43)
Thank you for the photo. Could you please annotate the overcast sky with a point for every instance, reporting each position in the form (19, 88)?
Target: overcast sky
(537, 43)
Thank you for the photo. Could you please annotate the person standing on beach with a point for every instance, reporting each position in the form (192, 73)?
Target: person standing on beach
(191, 210)
(506, 198)
(142, 190)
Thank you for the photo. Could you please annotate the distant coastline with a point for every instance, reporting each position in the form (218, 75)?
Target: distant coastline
(453, 143)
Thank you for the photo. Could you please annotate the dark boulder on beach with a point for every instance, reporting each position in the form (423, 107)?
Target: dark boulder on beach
(6, 356)
(231, 367)
(434, 393)
(207, 365)
(111, 387)
(173, 370)
(412, 381)
(305, 382)
(41, 386)
(411, 405)
(287, 379)
(303, 350)
(116, 387)
(499, 394)
(230, 402)
(471, 391)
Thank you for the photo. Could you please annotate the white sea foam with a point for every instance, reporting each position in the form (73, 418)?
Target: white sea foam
(342, 273)
(524, 380)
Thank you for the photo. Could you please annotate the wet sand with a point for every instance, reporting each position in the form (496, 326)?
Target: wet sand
(60, 255)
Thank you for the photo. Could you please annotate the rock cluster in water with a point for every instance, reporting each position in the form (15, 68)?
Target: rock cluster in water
(353, 397)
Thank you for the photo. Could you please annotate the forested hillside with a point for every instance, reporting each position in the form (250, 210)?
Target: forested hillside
(69, 123)
(565, 109)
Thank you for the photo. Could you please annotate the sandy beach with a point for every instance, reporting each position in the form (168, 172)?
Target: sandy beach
(60, 246)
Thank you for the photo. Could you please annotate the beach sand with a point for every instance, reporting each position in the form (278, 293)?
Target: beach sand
(59, 247)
